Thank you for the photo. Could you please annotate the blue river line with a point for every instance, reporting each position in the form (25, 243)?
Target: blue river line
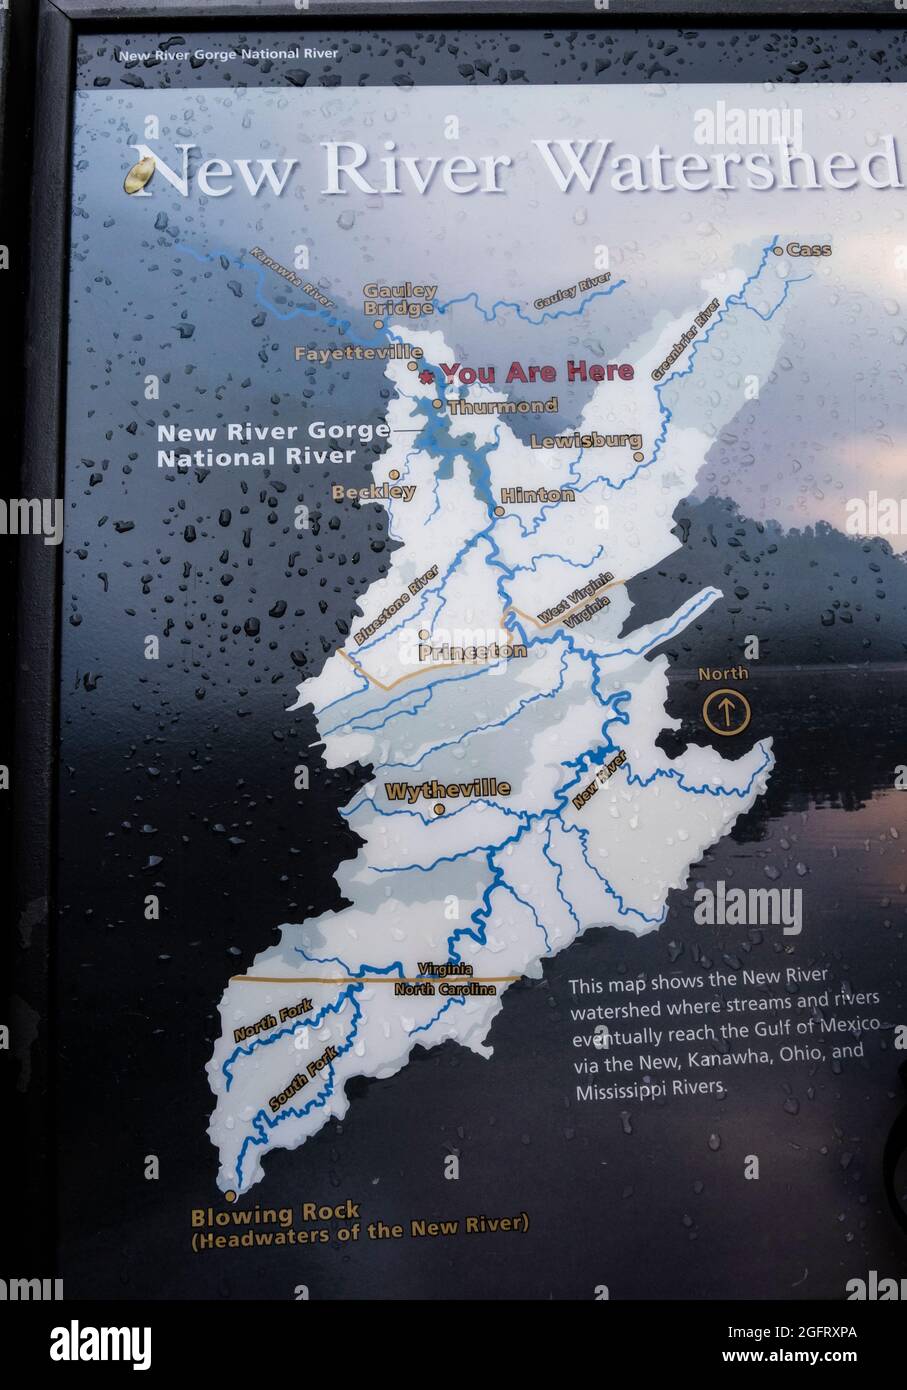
(424, 1027)
(546, 852)
(609, 889)
(429, 820)
(574, 564)
(242, 1051)
(264, 1122)
(706, 789)
(490, 315)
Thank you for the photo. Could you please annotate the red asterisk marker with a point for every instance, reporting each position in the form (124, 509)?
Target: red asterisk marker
(427, 376)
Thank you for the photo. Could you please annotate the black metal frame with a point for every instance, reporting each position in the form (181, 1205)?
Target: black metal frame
(55, 26)
(120, 12)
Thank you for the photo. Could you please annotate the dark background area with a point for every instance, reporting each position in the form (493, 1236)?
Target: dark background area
(132, 1027)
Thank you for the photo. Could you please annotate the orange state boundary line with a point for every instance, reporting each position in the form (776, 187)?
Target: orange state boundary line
(371, 979)
(442, 666)
(360, 670)
(455, 665)
(567, 611)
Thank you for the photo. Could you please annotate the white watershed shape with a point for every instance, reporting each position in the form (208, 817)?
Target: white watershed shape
(498, 882)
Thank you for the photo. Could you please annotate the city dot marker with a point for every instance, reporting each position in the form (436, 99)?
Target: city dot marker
(394, 473)
(379, 323)
(436, 404)
(424, 634)
(413, 366)
(439, 808)
(638, 456)
(499, 511)
(778, 250)
(230, 1196)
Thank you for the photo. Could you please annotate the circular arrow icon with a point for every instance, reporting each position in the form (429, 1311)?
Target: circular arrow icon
(726, 712)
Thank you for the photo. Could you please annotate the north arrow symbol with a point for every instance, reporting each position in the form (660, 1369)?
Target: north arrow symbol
(728, 707)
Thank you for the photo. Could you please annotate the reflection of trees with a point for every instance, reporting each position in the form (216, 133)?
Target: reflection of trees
(837, 737)
(814, 595)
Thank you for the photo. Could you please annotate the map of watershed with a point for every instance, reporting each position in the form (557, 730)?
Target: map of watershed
(507, 705)
(512, 326)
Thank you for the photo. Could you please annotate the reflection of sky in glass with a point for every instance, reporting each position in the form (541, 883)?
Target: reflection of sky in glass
(833, 422)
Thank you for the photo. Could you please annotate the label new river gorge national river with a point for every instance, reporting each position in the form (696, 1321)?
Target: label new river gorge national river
(273, 441)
